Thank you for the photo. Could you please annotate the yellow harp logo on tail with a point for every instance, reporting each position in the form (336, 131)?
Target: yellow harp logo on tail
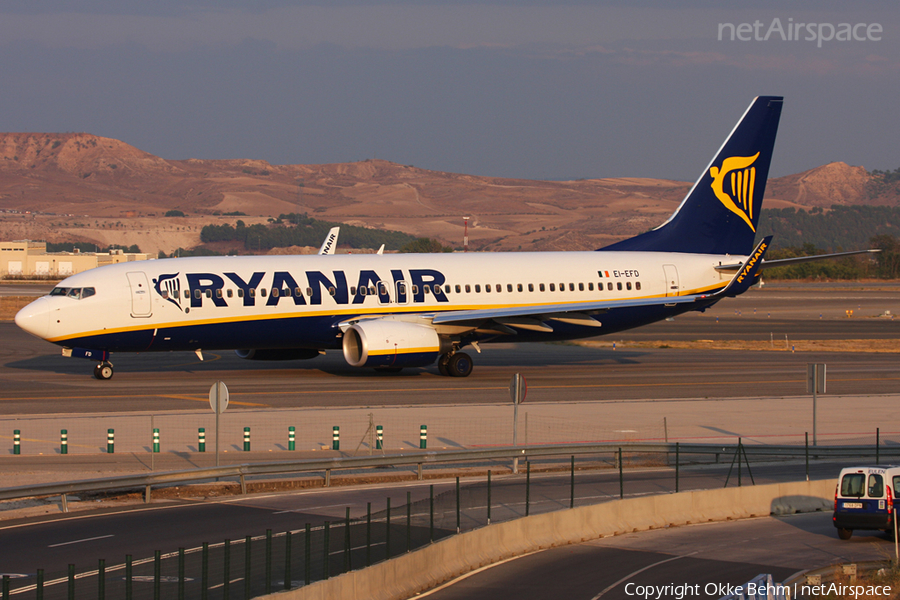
(733, 185)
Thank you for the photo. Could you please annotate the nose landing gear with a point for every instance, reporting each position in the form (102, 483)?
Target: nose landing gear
(103, 371)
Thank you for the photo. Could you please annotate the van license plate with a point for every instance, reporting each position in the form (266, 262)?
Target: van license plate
(852, 504)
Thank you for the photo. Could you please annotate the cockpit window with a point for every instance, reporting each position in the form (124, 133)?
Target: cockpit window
(77, 293)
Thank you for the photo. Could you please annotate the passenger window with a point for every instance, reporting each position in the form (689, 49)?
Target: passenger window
(274, 292)
(262, 292)
(542, 287)
(427, 289)
(383, 289)
(530, 287)
(562, 287)
(252, 292)
(876, 486)
(363, 291)
(331, 291)
(197, 294)
(609, 286)
(415, 290)
(487, 288)
(219, 293)
(637, 285)
(165, 294)
(229, 293)
(499, 288)
(619, 285)
(352, 290)
(580, 287)
(187, 293)
(552, 287)
(519, 287)
(590, 286)
(477, 288)
(571, 287)
(371, 290)
(468, 289)
(628, 284)
(309, 292)
(240, 292)
(437, 288)
(509, 287)
(458, 288)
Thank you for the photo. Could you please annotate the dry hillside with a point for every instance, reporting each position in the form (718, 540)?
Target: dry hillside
(105, 191)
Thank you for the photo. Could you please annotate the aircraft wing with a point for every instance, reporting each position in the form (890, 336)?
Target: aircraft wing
(558, 312)
(532, 317)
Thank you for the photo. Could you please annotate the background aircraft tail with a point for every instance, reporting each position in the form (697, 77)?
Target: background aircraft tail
(720, 213)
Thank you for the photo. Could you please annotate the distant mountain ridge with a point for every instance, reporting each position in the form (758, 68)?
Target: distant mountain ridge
(104, 178)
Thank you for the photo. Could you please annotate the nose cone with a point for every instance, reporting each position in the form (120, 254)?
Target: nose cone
(35, 318)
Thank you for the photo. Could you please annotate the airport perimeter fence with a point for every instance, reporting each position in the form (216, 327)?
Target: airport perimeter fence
(247, 564)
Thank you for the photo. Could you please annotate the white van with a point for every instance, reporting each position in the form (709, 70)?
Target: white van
(864, 499)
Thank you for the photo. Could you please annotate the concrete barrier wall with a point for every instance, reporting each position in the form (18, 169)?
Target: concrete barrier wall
(406, 575)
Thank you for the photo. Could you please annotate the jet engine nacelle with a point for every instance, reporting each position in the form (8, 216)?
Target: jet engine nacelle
(383, 343)
(277, 353)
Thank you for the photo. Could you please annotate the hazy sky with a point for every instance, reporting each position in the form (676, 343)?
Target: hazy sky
(534, 89)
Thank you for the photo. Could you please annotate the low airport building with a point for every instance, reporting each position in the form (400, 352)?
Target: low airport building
(25, 259)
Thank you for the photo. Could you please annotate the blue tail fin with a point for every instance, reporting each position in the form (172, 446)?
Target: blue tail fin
(720, 213)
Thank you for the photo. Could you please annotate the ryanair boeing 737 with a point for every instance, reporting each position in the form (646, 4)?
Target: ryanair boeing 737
(410, 310)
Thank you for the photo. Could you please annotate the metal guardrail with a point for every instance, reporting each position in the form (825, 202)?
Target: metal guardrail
(422, 458)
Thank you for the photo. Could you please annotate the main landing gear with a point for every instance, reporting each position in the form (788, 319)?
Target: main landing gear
(103, 371)
(456, 364)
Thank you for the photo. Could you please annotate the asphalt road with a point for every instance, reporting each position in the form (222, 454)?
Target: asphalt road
(83, 538)
(703, 556)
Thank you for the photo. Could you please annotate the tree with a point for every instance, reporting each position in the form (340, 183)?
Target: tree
(425, 246)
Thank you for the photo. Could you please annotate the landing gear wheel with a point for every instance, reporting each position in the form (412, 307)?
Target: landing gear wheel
(442, 364)
(460, 365)
(103, 371)
(844, 534)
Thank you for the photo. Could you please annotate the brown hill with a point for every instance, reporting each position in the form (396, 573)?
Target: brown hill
(834, 183)
(105, 191)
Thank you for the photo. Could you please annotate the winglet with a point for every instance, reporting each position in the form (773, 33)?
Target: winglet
(749, 271)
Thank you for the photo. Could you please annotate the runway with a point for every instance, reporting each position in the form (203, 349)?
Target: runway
(33, 371)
